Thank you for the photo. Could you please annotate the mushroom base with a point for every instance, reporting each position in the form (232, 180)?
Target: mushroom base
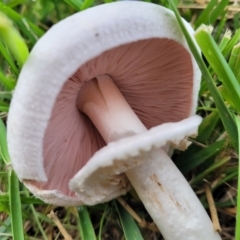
(170, 200)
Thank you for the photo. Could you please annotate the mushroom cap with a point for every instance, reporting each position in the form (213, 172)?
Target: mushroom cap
(66, 56)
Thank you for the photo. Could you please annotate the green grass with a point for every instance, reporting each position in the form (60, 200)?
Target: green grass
(213, 156)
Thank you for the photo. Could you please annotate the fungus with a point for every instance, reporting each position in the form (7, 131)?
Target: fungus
(93, 86)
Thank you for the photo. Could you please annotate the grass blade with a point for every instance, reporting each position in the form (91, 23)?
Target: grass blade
(101, 222)
(207, 127)
(198, 179)
(205, 131)
(3, 143)
(236, 20)
(204, 16)
(234, 40)
(225, 40)
(217, 11)
(30, 29)
(4, 229)
(86, 4)
(15, 207)
(218, 63)
(14, 194)
(228, 97)
(8, 83)
(200, 156)
(237, 229)
(225, 115)
(130, 228)
(8, 58)
(234, 61)
(85, 224)
(221, 26)
(4, 109)
(75, 4)
(36, 217)
(13, 40)
(15, 3)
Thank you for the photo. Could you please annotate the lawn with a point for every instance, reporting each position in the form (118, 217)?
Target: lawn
(210, 164)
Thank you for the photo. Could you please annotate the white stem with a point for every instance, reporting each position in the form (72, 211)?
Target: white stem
(170, 200)
(166, 194)
(104, 104)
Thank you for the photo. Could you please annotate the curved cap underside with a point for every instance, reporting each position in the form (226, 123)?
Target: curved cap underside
(155, 77)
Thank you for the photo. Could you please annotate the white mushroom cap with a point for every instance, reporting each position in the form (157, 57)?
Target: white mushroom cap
(68, 46)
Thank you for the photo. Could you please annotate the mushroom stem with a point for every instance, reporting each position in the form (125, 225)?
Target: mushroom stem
(104, 104)
(170, 200)
(164, 191)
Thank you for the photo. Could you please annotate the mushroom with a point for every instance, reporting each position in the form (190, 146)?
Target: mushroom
(102, 99)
